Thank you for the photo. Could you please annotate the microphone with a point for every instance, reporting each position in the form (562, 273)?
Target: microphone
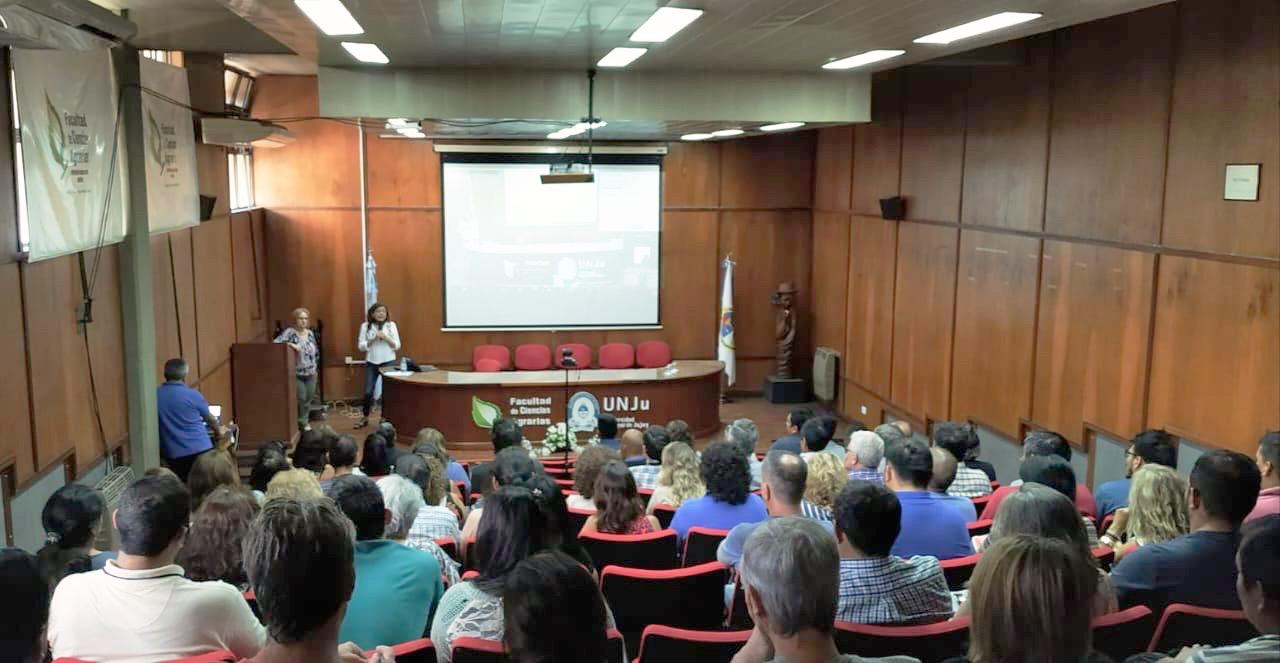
(566, 358)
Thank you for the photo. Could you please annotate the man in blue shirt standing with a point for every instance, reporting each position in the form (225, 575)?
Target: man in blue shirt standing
(930, 526)
(185, 420)
(1149, 446)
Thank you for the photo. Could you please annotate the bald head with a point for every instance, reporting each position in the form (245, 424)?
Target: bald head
(632, 443)
(944, 470)
(904, 426)
(785, 474)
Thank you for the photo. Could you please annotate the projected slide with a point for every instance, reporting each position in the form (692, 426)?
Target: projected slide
(519, 253)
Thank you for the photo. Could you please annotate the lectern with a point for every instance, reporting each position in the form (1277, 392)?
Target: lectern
(264, 392)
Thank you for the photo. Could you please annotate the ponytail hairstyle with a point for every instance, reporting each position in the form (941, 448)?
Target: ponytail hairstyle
(555, 513)
(374, 309)
(70, 519)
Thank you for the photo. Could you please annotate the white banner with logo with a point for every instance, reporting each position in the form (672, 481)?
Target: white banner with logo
(169, 141)
(67, 110)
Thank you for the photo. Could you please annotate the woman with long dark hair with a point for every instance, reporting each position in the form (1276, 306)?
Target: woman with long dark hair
(619, 509)
(212, 548)
(379, 340)
(71, 518)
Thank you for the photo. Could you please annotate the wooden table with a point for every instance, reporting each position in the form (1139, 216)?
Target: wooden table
(459, 402)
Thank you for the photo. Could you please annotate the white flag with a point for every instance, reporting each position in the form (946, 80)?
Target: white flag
(370, 281)
(724, 349)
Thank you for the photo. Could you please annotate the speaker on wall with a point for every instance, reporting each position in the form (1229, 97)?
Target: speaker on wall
(206, 207)
(894, 209)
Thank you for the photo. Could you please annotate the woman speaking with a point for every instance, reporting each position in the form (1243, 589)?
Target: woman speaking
(303, 341)
(379, 339)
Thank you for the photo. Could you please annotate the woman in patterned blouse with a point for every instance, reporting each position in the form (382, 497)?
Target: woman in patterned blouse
(303, 341)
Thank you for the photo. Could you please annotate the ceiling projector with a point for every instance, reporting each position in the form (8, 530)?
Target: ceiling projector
(569, 173)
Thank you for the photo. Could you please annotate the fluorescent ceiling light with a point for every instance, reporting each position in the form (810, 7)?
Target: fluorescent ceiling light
(781, 126)
(665, 23)
(331, 16)
(725, 133)
(695, 137)
(621, 56)
(980, 26)
(862, 59)
(365, 52)
(416, 133)
(399, 122)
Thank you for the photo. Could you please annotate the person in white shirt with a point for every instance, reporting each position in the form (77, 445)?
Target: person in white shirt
(379, 340)
(139, 608)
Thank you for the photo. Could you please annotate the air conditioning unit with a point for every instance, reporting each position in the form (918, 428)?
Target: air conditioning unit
(111, 486)
(229, 132)
(69, 25)
(825, 374)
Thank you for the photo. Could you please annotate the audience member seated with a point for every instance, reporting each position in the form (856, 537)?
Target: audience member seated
(619, 509)
(729, 500)
(607, 431)
(930, 526)
(211, 470)
(404, 503)
(862, 459)
(782, 488)
(1157, 511)
(958, 438)
(791, 441)
(139, 607)
(1031, 600)
(877, 587)
(397, 587)
(903, 426)
(1197, 568)
(432, 520)
(554, 612)
(815, 437)
(632, 448)
(655, 440)
(889, 433)
(680, 479)
(826, 478)
(678, 431)
(830, 424)
(342, 457)
(212, 547)
(1040, 511)
(376, 459)
(790, 574)
(185, 423)
(431, 442)
(1150, 447)
(269, 462)
(585, 471)
(1057, 474)
(556, 514)
(389, 437)
(311, 453)
(506, 432)
(944, 473)
(71, 517)
(22, 631)
(509, 468)
(297, 484)
(298, 558)
(1268, 459)
(743, 433)
(1043, 443)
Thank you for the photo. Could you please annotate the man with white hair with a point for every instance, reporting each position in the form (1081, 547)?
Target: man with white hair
(790, 572)
(866, 450)
(405, 503)
(743, 433)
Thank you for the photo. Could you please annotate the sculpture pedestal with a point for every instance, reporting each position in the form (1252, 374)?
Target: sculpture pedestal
(785, 390)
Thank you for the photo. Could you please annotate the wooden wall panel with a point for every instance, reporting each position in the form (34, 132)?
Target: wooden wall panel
(829, 279)
(873, 251)
(1217, 346)
(1092, 338)
(833, 169)
(933, 127)
(168, 342)
(925, 293)
(406, 245)
(215, 292)
(691, 175)
(250, 309)
(691, 256)
(321, 167)
(877, 146)
(995, 329)
(15, 406)
(402, 172)
(216, 388)
(862, 405)
(1007, 142)
(771, 171)
(1110, 118)
(1226, 83)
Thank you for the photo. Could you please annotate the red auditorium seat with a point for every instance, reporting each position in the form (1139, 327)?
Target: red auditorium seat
(581, 354)
(578, 518)
(930, 642)
(414, 651)
(959, 570)
(701, 543)
(487, 365)
(653, 354)
(1105, 557)
(475, 650)
(665, 513)
(739, 616)
(1184, 625)
(1106, 523)
(450, 547)
(691, 598)
(656, 550)
(979, 527)
(664, 644)
(980, 503)
(533, 357)
(617, 355)
(498, 353)
(1125, 633)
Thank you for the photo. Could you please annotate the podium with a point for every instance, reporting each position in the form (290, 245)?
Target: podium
(264, 393)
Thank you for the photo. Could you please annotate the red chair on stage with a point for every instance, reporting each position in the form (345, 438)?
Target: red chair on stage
(1125, 633)
(690, 598)
(959, 570)
(498, 353)
(581, 353)
(656, 550)
(617, 355)
(1184, 625)
(487, 365)
(664, 644)
(653, 354)
(929, 642)
(533, 357)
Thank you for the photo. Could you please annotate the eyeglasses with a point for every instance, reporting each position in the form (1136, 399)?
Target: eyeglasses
(1128, 453)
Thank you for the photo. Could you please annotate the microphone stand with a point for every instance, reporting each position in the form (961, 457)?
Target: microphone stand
(567, 361)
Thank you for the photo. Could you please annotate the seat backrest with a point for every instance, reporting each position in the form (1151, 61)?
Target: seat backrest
(581, 354)
(212, 657)
(414, 651)
(498, 353)
(665, 513)
(1105, 557)
(1106, 523)
(980, 503)
(1184, 625)
(617, 355)
(691, 598)
(979, 527)
(656, 550)
(1125, 633)
(487, 365)
(533, 357)
(653, 354)
(578, 518)
(476, 650)
(739, 616)
(450, 547)
(701, 543)
(665, 644)
(929, 642)
(959, 570)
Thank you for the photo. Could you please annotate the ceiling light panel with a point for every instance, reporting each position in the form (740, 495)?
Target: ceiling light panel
(665, 23)
(725, 133)
(365, 52)
(980, 26)
(621, 56)
(862, 59)
(782, 126)
(695, 137)
(331, 16)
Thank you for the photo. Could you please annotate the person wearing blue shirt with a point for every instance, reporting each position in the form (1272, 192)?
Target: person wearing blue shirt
(782, 483)
(185, 420)
(1149, 446)
(791, 441)
(930, 525)
(729, 500)
(607, 431)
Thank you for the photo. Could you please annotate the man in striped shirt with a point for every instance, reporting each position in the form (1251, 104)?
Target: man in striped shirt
(959, 439)
(655, 440)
